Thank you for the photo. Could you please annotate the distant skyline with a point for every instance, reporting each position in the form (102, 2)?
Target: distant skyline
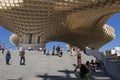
(114, 21)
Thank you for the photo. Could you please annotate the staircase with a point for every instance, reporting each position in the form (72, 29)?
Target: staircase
(43, 67)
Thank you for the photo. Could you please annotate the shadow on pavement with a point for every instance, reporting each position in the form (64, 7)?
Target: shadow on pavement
(101, 74)
(74, 65)
(52, 77)
(16, 79)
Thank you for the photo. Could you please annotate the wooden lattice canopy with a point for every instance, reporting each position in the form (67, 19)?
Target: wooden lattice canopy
(77, 22)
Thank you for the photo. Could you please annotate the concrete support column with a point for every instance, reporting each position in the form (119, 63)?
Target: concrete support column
(20, 39)
(41, 37)
(42, 41)
(35, 39)
(25, 38)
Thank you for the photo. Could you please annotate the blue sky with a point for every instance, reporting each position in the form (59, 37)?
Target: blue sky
(114, 21)
(4, 36)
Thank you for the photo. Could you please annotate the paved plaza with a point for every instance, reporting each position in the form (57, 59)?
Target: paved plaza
(41, 67)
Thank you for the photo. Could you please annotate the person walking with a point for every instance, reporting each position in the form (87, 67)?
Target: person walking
(61, 52)
(44, 50)
(22, 57)
(8, 57)
(58, 50)
(72, 51)
(53, 52)
(79, 61)
(20, 49)
(3, 48)
(84, 73)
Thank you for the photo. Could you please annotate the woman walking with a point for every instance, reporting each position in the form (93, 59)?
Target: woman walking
(78, 57)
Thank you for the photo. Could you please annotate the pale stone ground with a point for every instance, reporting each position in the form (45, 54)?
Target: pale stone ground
(39, 67)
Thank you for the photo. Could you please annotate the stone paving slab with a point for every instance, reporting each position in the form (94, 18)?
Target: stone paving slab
(38, 67)
(42, 67)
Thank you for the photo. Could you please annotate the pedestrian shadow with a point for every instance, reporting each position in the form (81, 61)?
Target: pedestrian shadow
(21, 78)
(54, 77)
(66, 72)
(74, 65)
